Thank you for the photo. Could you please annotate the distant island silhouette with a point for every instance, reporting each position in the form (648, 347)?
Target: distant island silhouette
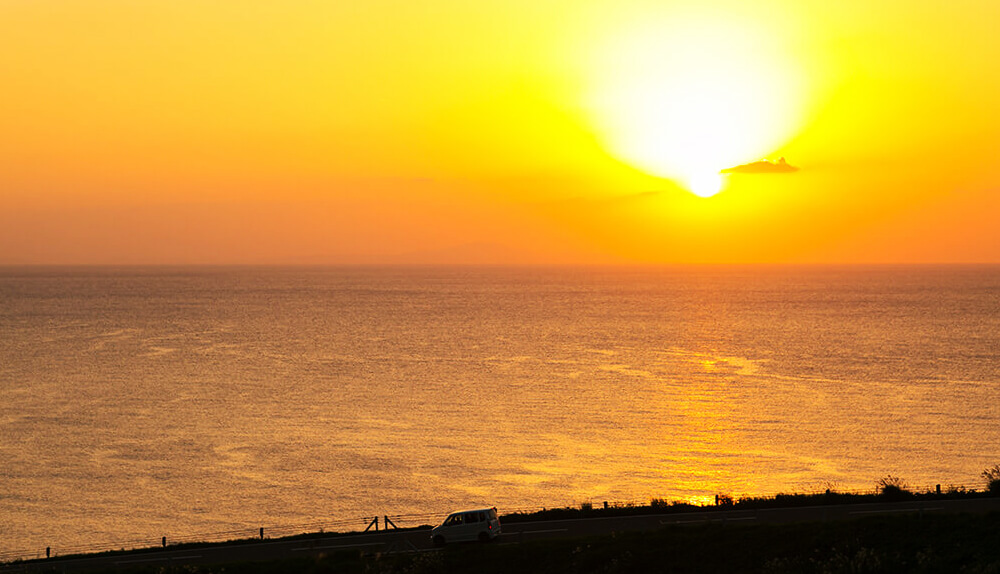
(763, 166)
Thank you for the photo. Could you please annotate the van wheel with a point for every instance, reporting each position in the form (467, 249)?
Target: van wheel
(483, 537)
(439, 541)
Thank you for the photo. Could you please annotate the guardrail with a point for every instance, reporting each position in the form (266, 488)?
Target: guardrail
(236, 534)
(241, 534)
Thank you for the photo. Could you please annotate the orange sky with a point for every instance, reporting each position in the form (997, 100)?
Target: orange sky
(181, 131)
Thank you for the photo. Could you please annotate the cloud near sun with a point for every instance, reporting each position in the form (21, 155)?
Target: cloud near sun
(762, 166)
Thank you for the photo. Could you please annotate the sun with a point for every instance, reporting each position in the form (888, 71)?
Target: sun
(704, 185)
(683, 98)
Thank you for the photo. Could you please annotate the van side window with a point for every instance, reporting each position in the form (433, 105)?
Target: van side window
(453, 520)
(475, 517)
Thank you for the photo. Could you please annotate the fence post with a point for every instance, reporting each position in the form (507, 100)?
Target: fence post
(261, 532)
(387, 523)
(164, 541)
(48, 552)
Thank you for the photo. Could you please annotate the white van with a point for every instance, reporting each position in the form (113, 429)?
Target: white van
(481, 524)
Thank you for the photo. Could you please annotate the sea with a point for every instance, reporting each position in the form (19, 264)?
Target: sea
(195, 403)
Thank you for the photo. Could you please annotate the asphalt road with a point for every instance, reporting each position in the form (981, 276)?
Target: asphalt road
(513, 533)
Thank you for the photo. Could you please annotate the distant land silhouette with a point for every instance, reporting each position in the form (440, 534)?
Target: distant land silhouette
(763, 166)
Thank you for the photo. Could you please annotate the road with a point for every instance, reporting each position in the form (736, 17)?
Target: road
(513, 533)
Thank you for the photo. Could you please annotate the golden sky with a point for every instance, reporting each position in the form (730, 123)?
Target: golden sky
(519, 131)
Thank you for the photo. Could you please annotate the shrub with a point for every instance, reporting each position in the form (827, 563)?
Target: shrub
(992, 476)
(893, 487)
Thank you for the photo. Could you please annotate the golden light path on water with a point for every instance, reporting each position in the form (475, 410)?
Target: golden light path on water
(685, 95)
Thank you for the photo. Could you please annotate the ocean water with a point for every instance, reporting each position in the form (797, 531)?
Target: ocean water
(145, 402)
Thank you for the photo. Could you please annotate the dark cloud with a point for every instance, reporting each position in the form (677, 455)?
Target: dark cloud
(763, 166)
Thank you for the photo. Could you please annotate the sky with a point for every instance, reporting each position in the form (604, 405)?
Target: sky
(518, 131)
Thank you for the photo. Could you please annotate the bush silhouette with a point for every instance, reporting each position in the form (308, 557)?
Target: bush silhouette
(992, 476)
(893, 488)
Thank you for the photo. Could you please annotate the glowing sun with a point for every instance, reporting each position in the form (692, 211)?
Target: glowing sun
(683, 98)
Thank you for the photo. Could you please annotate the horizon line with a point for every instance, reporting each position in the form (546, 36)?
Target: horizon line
(627, 264)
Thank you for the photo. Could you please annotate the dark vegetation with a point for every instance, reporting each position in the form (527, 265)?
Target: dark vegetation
(992, 476)
(888, 543)
(887, 489)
